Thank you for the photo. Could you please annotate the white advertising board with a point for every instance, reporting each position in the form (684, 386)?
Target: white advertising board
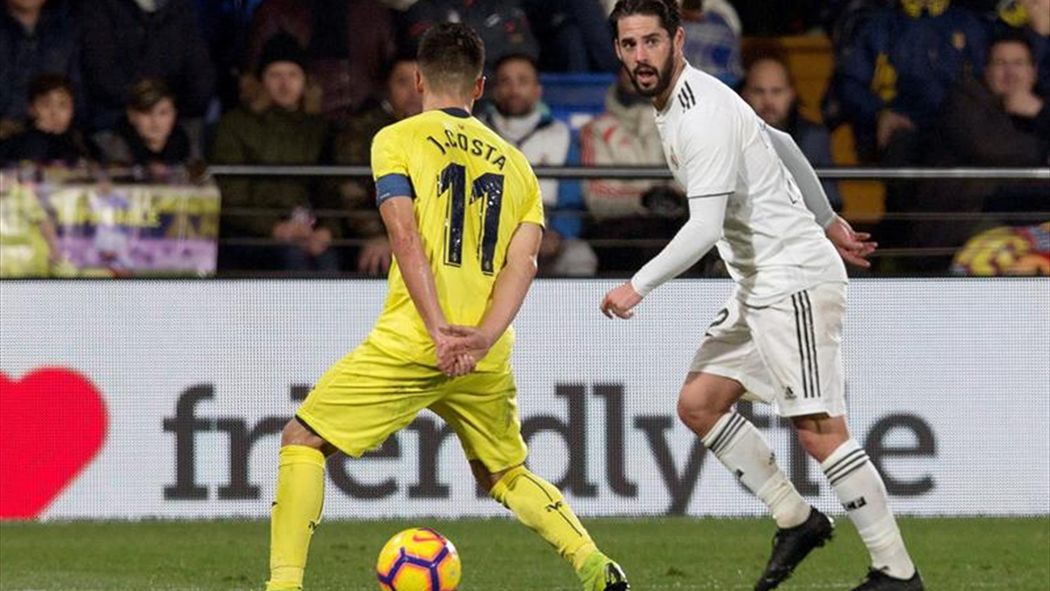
(165, 398)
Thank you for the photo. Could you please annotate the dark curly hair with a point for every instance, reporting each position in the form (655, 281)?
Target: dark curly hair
(666, 11)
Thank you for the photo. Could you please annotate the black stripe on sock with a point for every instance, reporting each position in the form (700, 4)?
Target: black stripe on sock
(848, 470)
(718, 437)
(721, 437)
(731, 433)
(832, 469)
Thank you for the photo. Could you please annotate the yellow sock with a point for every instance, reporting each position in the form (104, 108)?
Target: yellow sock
(296, 512)
(540, 506)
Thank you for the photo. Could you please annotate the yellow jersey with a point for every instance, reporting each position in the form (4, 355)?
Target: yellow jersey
(471, 190)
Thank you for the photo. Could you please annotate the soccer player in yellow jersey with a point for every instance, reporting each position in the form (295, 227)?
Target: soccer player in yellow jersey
(463, 211)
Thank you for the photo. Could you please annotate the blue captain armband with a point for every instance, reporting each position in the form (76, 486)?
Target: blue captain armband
(393, 185)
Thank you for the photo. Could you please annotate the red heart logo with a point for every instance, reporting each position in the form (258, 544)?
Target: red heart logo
(52, 423)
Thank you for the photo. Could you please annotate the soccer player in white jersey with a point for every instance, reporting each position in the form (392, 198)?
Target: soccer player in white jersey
(778, 339)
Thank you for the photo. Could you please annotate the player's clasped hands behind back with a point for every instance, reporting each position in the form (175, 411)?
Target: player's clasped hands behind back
(460, 348)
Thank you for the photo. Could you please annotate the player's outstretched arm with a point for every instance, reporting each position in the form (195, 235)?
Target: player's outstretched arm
(689, 245)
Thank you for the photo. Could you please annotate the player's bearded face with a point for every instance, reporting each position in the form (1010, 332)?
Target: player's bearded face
(650, 80)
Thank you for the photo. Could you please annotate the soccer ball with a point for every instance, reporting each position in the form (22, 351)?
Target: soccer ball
(418, 559)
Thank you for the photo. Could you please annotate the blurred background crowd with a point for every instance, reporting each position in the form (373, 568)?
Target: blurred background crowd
(123, 92)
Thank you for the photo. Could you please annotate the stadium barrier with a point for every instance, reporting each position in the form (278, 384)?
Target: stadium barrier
(658, 172)
(863, 211)
(165, 399)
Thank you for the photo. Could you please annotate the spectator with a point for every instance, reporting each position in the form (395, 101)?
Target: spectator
(770, 91)
(127, 40)
(36, 38)
(519, 116)
(51, 138)
(502, 25)
(625, 134)
(348, 43)
(281, 133)
(997, 122)
(1032, 19)
(352, 146)
(894, 74)
(710, 43)
(573, 35)
(149, 135)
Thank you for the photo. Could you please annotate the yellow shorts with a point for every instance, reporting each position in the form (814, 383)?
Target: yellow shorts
(369, 395)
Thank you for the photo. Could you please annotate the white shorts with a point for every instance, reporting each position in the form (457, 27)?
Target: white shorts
(788, 354)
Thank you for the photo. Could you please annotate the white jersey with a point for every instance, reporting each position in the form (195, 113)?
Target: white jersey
(715, 144)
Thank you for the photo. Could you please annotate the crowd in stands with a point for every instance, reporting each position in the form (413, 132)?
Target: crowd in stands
(162, 88)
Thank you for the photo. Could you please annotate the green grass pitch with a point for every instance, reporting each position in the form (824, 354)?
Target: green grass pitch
(499, 554)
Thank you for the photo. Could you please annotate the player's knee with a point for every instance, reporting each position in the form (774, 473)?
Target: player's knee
(485, 479)
(295, 433)
(697, 413)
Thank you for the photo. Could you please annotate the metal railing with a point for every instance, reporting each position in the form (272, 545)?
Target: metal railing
(660, 173)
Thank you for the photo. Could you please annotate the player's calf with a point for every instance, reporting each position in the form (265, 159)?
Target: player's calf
(860, 489)
(539, 505)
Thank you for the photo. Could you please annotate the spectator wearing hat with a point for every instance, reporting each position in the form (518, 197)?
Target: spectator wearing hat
(280, 210)
(347, 45)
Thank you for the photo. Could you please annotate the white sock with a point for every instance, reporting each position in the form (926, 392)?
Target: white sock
(861, 491)
(740, 447)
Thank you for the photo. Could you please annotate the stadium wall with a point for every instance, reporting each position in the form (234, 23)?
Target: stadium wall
(164, 399)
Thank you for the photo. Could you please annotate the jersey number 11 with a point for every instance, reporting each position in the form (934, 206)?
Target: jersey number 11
(489, 187)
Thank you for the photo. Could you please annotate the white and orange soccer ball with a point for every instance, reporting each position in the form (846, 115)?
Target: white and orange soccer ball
(418, 559)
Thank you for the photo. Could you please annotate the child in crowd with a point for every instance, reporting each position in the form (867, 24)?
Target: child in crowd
(149, 137)
(51, 138)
